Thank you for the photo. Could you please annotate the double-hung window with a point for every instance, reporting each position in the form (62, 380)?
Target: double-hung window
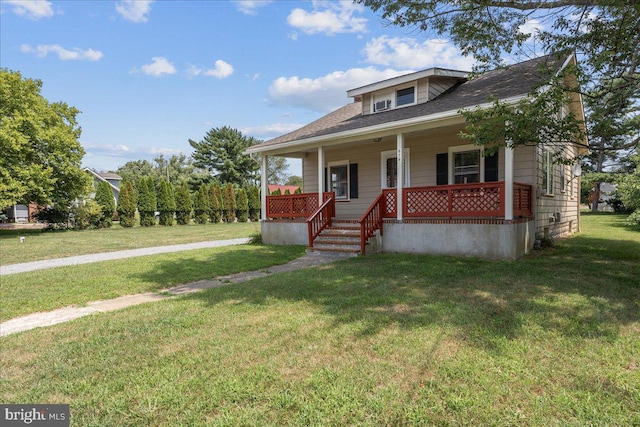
(406, 96)
(547, 172)
(339, 179)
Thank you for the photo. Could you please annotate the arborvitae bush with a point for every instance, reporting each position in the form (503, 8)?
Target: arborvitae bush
(254, 203)
(287, 192)
(229, 197)
(276, 192)
(127, 204)
(183, 205)
(147, 202)
(242, 206)
(201, 205)
(87, 214)
(215, 203)
(104, 197)
(298, 191)
(166, 203)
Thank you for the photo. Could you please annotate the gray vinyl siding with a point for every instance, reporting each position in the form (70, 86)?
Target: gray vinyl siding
(563, 202)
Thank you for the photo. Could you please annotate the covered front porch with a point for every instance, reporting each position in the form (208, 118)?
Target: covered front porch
(460, 219)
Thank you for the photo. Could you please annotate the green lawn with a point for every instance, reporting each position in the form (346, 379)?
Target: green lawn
(550, 339)
(40, 245)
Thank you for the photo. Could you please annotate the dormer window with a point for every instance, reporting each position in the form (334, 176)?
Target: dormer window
(406, 96)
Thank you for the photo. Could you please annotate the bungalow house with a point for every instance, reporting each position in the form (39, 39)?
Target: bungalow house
(389, 172)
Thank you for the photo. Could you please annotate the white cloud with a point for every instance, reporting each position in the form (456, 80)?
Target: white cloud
(34, 9)
(75, 54)
(134, 10)
(329, 17)
(325, 94)
(221, 70)
(250, 7)
(532, 27)
(408, 52)
(157, 68)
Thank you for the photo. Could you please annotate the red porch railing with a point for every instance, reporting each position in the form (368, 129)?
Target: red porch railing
(372, 220)
(292, 205)
(321, 218)
(480, 200)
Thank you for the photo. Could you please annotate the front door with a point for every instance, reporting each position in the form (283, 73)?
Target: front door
(389, 171)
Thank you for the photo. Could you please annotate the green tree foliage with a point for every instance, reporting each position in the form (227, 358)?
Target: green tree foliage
(202, 206)
(294, 180)
(104, 198)
(40, 155)
(229, 201)
(277, 170)
(629, 192)
(254, 203)
(147, 203)
(242, 205)
(127, 204)
(177, 169)
(216, 203)
(183, 204)
(166, 203)
(603, 33)
(87, 214)
(221, 152)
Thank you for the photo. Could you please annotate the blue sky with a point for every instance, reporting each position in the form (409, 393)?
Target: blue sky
(150, 75)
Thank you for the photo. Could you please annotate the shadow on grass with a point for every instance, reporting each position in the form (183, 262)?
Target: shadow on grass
(586, 288)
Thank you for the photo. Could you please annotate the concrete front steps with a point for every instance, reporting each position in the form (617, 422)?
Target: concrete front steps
(343, 237)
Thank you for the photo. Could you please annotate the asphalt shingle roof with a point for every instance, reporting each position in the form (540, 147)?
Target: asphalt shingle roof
(515, 80)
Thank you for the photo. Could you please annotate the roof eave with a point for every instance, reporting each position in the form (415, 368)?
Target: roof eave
(363, 133)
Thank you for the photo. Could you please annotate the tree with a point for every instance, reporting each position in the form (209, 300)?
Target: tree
(183, 204)
(242, 205)
(221, 152)
(229, 202)
(104, 198)
(177, 169)
(166, 203)
(216, 203)
(629, 192)
(277, 170)
(127, 204)
(202, 206)
(254, 203)
(147, 203)
(603, 33)
(40, 158)
(294, 180)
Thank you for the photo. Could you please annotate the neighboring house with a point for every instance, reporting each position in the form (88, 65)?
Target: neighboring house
(113, 179)
(283, 188)
(390, 173)
(21, 213)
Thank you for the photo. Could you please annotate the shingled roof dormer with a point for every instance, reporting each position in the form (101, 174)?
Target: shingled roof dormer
(406, 90)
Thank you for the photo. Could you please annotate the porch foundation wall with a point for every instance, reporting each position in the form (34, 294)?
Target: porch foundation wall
(492, 241)
(285, 233)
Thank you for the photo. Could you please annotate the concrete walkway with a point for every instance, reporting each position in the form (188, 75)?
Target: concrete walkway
(38, 320)
(108, 256)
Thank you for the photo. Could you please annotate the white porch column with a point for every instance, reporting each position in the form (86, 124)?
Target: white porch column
(400, 177)
(321, 176)
(264, 188)
(508, 183)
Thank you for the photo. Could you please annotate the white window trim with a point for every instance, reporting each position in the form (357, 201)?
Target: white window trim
(413, 84)
(330, 182)
(468, 147)
(384, 155)
(548, 171)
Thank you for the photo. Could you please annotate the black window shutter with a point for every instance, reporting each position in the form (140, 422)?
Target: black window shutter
(442, 169)
(491, 167)
(353, 181)
(326, 180)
